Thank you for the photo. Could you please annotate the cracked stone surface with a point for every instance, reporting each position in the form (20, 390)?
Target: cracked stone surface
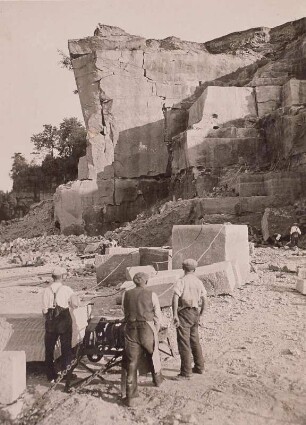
(152, 114)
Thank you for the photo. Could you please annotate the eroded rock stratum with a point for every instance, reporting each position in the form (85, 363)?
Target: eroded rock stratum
(171, 118)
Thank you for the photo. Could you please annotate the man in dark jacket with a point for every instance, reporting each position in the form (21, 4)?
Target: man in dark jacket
(142, 316)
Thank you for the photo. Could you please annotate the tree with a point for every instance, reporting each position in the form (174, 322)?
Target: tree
(72, 138)
(46, 140)
(19, 165)
(61, 147)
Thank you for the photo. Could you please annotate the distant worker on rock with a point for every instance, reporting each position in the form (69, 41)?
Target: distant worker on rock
(295, 233)
(189, 302)
(56, 300)
(142, 315)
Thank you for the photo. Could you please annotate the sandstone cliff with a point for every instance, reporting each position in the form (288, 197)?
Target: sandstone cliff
(175, 118)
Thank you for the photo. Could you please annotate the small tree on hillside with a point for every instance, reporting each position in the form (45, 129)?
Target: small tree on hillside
(46, 140)
(19, 166)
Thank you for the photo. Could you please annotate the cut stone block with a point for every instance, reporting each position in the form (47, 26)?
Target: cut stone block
(119, 250)
(166, 276)
(131, 271)
(301, 286)
(237, 274)
(210, 244)
(268, 99)
(294, 92)
(12, 375)
(157, 257)
(163, 291)
(302, 273)
(28, 335)
(163, 277)
(218, 278)
(111, 269)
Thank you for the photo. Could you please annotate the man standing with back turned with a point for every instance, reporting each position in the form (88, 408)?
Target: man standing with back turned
(189, 301)
(142, 315)
(56, 300)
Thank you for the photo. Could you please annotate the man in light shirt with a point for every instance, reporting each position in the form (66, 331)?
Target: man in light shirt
(295, 233)
(189, 301)
(56, 300)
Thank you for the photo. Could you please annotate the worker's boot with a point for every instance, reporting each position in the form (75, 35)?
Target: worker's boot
(157, 379)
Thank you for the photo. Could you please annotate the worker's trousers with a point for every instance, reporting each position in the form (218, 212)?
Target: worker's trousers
(294, 239)
(60, 328)
(188, 341)
(139, 343)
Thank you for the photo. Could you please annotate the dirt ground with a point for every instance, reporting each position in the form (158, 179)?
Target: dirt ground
(255, 351)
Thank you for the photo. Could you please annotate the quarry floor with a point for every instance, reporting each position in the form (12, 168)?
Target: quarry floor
(255, 349)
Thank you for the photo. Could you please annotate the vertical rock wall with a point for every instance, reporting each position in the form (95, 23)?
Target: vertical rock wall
(155, 124)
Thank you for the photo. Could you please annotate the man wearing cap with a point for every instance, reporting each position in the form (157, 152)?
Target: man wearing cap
(142, 315)
(189, 301)
(56, 300)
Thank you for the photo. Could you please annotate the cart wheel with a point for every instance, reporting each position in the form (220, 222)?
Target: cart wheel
(94, 357)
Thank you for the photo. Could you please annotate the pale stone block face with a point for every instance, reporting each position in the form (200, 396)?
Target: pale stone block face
(218, 242)
(301, 286)
(12, 375)
(157, 257)
(131, 271)
(163, 277)
(302, 273)
(294, 92)
(268, 99)
(218, 278)
(111, 269)
(120, 250)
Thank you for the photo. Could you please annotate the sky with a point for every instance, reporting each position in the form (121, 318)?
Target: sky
(35, 90)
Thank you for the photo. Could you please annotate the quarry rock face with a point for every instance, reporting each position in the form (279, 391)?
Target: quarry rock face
(170, 117)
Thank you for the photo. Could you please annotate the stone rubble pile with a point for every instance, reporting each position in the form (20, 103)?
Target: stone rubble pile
(72, 252)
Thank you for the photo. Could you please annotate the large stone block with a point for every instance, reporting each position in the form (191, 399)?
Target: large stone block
(159, 258)
(120, 250)
(131, 271)
(301, 286)
(302, 272)
(70, 202)
(219, 105)
(218, 278)
(12, 375)
(294, 92)
(193, 149)
(163, 277)
(210, 244)
(268, 99)
(284, 134)
(110, 269)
